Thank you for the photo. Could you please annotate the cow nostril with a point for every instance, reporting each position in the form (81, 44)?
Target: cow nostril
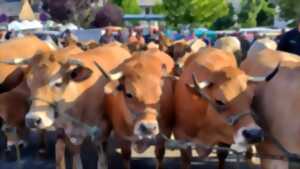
(143, 128)
(38, 121)
(253, 135)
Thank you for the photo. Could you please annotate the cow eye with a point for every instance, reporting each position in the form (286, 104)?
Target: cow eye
(221, 106)
(120, 87)
(129, 95)
(220, 103)
(58, 84)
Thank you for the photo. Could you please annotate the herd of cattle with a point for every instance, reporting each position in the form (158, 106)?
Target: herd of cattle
(203, 95)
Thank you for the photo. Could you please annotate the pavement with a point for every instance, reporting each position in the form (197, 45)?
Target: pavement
(139, 161)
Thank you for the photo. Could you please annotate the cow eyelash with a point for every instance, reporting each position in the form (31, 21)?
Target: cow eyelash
(129, 95)
(220, 103)
(58, 84)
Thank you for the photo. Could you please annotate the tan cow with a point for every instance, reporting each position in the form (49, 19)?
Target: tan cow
(69, 92)
(139, 102)
(232, 45)
(261, 44)
(15, 104)
(26, 47)
(218, 110)
(276, 104)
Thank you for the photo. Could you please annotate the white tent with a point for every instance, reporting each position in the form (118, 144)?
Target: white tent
(24, 25)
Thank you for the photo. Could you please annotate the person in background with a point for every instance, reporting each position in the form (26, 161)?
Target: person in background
(290, 41)
(206, 40)
(132, 36)
(140, 38)
(107, 37)
(277, 38)
(245, 43)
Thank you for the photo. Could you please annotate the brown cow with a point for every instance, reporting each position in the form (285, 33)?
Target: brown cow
(69, 92)
(10, 75)
(139, 103)
(222, 112)
(281, 117)
(15, 104)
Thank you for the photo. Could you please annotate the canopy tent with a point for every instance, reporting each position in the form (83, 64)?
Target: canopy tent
(24, 25)
(26, 12)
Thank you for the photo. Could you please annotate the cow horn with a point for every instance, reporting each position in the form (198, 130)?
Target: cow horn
(199, 86)
(110, 77)
(266, 78)
(16, 61)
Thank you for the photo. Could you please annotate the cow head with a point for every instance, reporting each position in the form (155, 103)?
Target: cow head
(137, 91)
(50, 81)
(178, 50)
(230, 103)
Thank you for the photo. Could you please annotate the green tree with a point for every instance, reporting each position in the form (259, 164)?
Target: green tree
(195, 12)
(250, 10)
(158, 9)
(225, 22)
(117, 2)
(289, 9)
(131, 6)
(206, 12)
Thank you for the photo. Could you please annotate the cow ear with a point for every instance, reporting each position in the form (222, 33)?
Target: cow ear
(80, 74)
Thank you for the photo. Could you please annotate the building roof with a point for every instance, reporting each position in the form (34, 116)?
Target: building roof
(26, 12)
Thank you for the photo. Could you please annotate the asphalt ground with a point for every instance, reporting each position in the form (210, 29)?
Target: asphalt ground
(139, 161)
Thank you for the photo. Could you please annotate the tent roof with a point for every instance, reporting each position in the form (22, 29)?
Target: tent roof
(26, 12)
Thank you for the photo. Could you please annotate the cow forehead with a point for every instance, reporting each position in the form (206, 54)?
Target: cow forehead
(147, 88)
(233, 86)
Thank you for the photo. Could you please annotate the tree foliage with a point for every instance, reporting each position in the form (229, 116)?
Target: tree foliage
(196, 12)
(109, 15)
(250, 10)
(131, 6)
(80, 12)
(289, 9)
(225, 22)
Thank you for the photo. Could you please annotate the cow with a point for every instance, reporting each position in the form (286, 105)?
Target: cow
(15, 104)
(232, 45)
(218, 110)
(139, 102)
(275, 106)
(18, 48)
(261, 44)
(68, 94)
(180, 51)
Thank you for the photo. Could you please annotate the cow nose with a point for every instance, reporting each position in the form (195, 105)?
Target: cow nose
(33, 122)
(253, 135)
(147, 128)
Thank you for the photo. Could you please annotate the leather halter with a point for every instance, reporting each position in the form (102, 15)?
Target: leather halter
(93, 131)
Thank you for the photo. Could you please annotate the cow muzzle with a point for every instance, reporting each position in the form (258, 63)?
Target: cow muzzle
(254, 135)
(39, 119)
(246, 136)
(145, 129)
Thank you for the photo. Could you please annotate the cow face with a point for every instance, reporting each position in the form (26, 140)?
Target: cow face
(137, 92)
(230, 102)
(178, 50)
(51, 82)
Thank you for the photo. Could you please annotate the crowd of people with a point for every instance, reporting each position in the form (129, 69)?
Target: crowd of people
(287, 41)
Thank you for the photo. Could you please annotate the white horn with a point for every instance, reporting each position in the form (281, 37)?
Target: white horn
(16, 61)
(110, 77)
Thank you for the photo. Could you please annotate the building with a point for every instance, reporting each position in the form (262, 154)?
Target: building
(147, 5)
(10, 8)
